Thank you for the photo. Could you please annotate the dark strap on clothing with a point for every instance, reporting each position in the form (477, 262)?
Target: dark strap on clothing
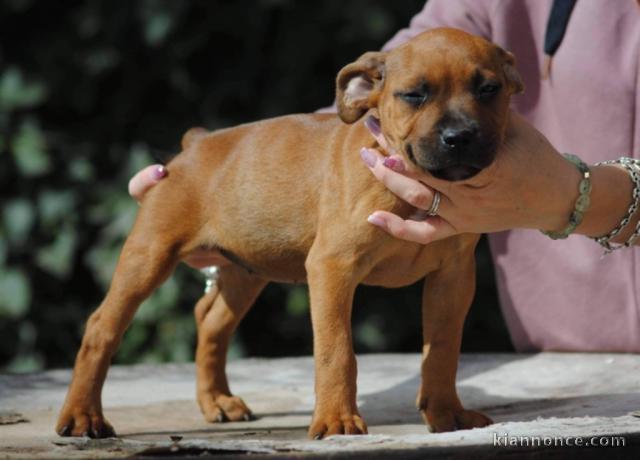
(557, 24)
(556, 27)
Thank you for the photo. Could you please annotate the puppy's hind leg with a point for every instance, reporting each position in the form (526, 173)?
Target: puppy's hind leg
(147, 259)
(218, 313)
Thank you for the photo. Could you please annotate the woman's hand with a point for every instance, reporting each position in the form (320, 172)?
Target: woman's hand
(144, 179)
(140, 184)
(529, 185)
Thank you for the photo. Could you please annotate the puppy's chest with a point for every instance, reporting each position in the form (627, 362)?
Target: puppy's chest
(403, 263)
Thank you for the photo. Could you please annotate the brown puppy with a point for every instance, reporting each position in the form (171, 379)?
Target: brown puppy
(287, 199)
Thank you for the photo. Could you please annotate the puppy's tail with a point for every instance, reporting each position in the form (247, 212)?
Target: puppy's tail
(192, 136)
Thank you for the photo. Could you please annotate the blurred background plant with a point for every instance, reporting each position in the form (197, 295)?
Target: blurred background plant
(91, 91)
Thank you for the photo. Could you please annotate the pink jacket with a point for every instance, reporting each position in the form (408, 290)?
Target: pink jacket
(562, 295)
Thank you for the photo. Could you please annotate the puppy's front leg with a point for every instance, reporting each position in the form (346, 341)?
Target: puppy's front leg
(331, 288)
(446, 299)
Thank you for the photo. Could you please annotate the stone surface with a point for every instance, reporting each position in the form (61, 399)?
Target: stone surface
(544, 395)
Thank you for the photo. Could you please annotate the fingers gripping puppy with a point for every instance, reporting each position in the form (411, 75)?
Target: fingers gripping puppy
(287, 199)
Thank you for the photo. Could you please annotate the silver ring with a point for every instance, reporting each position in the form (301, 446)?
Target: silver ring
(435, 204)
(211, 275)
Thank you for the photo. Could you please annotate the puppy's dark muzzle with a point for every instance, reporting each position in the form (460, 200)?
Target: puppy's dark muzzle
(456, 149)
(458, 138)
(455, 142)
(455, 155)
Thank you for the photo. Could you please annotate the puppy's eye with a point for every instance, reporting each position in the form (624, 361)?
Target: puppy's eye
(488, 89)
(413, 98)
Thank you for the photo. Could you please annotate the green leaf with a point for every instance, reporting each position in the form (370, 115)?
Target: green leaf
(55, 206)
(138, 158)
(29, 150)
(18, 217)
(157, 20)
(378, 22)
(102, 260)
(370, 334)
(125, 211)
(24, 363)
(57, 258)
(4, 249)
(298, 301)
(16, 93)
(161, 302)
(80, 169)
(175, 336)
(236, 349)
(132, 342)
(15, 294)
(102, 60)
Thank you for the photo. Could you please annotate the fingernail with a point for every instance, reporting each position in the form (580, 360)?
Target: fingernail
(159, 173)
(373, 125)
(376, 220)
(368, 157)
(394, 163)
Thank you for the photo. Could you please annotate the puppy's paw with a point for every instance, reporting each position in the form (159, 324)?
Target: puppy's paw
(323, 426)
(81, 422)
(443, 420)
(224, 408)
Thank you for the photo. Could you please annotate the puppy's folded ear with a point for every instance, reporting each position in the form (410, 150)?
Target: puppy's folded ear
(512, 76)
(358, 86)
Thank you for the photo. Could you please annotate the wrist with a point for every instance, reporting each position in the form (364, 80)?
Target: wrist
(562, 191)
(581, 203)
(611, 191)
(610, 198)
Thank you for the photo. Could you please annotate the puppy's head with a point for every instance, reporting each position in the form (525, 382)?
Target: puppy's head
(442, 99)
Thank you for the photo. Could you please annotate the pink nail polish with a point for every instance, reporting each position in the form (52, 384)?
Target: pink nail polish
(376, 220)
(368, 157)
(373, 125)
(159, 173)
(390, 163)
(394, 163)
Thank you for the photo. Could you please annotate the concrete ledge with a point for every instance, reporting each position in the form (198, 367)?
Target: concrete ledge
(544, 396)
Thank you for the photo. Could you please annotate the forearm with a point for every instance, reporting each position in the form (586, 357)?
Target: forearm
(556, 190)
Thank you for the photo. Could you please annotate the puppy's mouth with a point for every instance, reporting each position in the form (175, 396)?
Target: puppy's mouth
(452, 165)
(453, 172)
(456, 172)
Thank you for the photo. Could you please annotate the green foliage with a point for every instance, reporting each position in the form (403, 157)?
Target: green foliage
(18, 218)
(92, 91)
(29, 149)
(16, 93)
(298, 301)
(15, 293)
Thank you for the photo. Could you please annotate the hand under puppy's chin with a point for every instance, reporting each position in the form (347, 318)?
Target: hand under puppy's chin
(479, 179)
(483, 178)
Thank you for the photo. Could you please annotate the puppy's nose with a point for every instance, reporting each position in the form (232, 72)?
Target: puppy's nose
(457, 137)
